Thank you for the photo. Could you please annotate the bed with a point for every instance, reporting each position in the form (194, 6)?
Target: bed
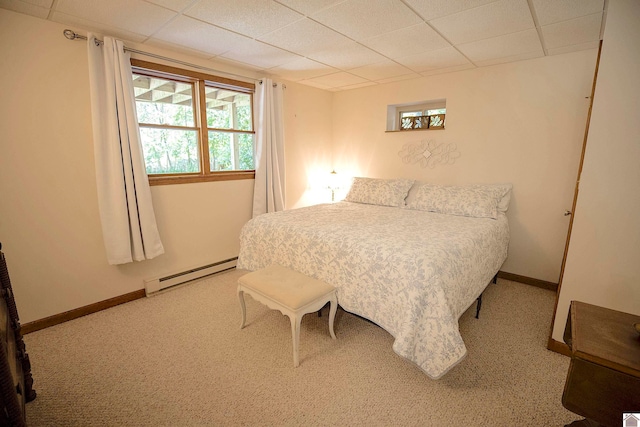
(413, 265)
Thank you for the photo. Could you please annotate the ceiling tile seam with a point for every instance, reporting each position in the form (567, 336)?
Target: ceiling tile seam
(450, 14)
(572, 19)
(388, 32)
(178, 14)
(301, 12)
(603, 24)
(334, 71)
(52, 10)
(536, 22)
(188, 6)
(221, 28)
(440, 34)
(335, 31)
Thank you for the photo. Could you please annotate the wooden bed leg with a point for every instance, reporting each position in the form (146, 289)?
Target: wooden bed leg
(478, 306)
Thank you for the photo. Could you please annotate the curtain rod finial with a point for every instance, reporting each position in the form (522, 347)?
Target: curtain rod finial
(71, 35)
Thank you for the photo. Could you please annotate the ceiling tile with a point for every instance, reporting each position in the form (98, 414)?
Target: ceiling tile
(41, 3)
(574, 48)
(551, 11)
(176, 5)
(399, 78)
(338, 80)
(304, 37)
(514, 58)
(198, 35)
(441, 58)
(502, 46)
(177, 48)
(359, 20)
(445, 70)
(381, 70)
(259, 55)
(407, 41)
(301, 68)
(490, 20)
(347, 55)
(575, 31)
(97, 28)
(25, 8)
(357, 86)
(315, 84)
(307, 7)
(251, 17)
(135, 16)
(432, 9)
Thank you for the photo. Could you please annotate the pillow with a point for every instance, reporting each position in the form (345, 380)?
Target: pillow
(374, 191)
(478, 201)
(503, 203)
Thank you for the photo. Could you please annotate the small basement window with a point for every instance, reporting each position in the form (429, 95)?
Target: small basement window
(425, 115)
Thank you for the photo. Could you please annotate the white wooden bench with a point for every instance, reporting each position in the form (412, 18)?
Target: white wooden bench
(293, 293)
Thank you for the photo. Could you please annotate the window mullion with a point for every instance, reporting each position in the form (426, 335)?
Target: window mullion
(204, 133)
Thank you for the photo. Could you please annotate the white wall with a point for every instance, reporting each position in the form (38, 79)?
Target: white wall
(307, 144)
(520, 122)
(603, 265)
(49, 221)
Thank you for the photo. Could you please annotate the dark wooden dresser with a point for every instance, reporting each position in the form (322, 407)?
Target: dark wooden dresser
(15, 368)
(603, 381)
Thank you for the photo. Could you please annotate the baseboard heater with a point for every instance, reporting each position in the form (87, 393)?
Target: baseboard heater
(153, 286)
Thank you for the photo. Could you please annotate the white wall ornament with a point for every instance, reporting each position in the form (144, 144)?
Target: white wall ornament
(429, 154)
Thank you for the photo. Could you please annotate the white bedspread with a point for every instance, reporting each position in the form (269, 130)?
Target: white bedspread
(412, 272)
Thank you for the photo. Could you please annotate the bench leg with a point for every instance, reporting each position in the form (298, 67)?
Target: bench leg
(243, 308)
(295, 333)
(332, 316)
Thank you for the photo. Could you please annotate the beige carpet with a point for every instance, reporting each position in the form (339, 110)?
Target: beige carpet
(180, 359)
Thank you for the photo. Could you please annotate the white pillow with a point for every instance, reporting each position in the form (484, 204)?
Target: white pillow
(479, 201)
(375, 191)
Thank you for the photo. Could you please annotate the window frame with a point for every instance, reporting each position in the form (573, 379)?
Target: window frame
(199, 81)
(423, 111)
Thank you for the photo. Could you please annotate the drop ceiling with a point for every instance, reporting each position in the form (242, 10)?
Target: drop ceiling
(340, 44)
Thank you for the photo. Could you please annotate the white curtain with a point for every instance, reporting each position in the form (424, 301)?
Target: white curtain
(124, 197)
(269, 191)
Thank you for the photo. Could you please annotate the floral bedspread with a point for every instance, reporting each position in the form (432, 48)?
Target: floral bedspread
(412, 272)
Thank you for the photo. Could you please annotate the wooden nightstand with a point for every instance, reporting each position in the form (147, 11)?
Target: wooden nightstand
(603, 381)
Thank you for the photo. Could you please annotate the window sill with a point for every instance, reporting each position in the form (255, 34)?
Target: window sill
(412, 130)
(190, 179)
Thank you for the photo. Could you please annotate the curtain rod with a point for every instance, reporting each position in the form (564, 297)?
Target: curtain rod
(72, 35)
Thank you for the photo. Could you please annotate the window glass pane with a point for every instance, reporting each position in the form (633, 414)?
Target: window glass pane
(227, 109)
(170, 150)
(245, 148)
(437, 111)
(163, 102)
(410, 114)
(230, 151)
(220, 151)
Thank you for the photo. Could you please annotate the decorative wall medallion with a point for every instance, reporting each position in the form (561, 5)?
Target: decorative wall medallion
(429, 154)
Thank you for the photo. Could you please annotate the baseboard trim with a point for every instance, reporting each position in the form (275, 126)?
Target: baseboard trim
(558, 347)
(528, 281)
(56, 319)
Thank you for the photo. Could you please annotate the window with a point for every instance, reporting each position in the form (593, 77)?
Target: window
(193, 127)
(417, 116)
